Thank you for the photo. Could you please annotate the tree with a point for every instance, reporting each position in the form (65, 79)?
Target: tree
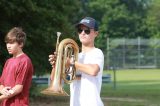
(40, 19)
(119, 18)
(153, 19)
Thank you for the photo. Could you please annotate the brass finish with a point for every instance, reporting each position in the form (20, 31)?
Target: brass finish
(67, 48)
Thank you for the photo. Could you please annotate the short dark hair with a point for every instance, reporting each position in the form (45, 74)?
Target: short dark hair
(16, 34)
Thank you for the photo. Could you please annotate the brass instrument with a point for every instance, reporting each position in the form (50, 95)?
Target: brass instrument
(67, 48)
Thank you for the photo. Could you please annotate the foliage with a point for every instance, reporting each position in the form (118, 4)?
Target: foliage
(153, 19)
(120, 18)
(40, 19)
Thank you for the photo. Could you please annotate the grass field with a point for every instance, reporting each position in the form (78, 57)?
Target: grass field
(132, 88)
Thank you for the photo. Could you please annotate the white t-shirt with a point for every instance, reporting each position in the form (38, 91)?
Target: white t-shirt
(86, 92)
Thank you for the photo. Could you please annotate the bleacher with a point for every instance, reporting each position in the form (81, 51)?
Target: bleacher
(46, 80)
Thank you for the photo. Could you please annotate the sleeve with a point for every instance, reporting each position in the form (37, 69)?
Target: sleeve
(98, 58)
(22, 72)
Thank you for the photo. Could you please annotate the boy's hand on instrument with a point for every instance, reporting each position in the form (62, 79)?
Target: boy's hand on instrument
(52, 59)
(70, 61)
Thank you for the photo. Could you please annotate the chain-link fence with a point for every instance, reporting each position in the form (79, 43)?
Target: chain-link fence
(125, 53)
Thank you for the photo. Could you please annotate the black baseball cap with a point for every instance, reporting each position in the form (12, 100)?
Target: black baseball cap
(89, 22)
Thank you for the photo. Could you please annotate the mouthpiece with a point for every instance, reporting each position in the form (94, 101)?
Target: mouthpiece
(58, 34)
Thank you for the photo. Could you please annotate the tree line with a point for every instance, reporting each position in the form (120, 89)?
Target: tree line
(42, 19)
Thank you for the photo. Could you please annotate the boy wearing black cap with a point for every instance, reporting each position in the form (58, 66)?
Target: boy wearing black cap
(86, 91)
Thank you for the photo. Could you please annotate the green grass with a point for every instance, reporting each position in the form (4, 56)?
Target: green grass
(133, 88)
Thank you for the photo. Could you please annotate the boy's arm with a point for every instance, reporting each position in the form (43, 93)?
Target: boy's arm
(91, 69)
(13, 91)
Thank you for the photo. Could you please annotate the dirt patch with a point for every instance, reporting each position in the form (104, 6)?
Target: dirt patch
(123, 99)
(49, 101)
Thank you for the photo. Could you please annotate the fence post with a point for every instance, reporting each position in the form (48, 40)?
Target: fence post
(114, 77)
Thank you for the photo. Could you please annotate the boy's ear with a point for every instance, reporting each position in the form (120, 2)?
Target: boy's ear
(21, 45)
(96, 33)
